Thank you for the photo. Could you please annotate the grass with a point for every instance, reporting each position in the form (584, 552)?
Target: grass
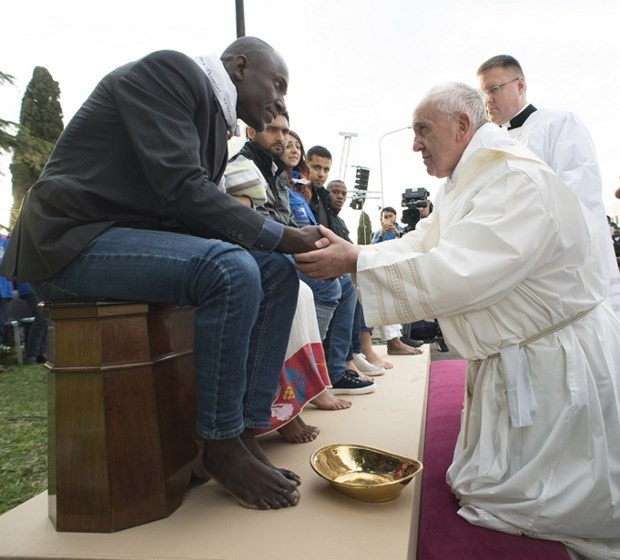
(23, 432)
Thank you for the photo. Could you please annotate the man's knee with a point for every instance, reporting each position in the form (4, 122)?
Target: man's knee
(277, 269)
(232, 271)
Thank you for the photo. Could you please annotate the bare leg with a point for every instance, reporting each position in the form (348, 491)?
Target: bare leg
(253, 483)
(369, 352)
(297, 431)
(198, 467)
(327, 401)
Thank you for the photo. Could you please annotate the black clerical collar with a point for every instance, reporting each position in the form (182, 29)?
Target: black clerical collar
(518, 120)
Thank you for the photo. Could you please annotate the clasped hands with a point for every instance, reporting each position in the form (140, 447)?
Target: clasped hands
(387, 227)
(330, 257)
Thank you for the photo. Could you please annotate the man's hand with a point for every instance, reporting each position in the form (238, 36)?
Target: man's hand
(297, 240)
(333, 257)
(389, 226)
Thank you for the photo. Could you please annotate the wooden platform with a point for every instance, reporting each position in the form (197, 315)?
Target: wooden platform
(209, 525)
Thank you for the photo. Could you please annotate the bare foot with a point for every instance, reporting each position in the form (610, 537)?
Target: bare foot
(352, 371)
(397, 348)
(249, 440)
(297, 431)
(376, 360)
(356, 373)
(250, 481)
(328, 401)
(369, 352)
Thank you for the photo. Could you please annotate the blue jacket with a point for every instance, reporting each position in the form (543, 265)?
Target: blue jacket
(6, 285)
(377, 237)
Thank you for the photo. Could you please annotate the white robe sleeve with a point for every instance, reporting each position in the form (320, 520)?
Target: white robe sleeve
(492, 236)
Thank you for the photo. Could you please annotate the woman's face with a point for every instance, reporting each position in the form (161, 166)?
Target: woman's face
(292, 152)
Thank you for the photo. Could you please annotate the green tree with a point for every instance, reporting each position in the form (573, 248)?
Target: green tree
(6, 138)
(364, 230)
(40, 125)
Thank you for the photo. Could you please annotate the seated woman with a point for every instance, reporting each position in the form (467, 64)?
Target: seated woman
(304, 376)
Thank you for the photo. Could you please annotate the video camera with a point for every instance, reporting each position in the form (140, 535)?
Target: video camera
(415, 198)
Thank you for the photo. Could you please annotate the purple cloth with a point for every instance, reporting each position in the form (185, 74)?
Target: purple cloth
(442, 533)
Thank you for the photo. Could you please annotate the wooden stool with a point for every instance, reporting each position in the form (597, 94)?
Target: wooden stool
(121, 413)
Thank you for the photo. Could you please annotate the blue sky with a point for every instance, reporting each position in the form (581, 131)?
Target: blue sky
(355, 65)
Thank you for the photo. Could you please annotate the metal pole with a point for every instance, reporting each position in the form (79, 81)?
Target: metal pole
(240, 18)
(381, 160)
(344, 157)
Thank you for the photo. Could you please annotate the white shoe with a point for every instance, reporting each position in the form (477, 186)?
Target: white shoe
(364, 366)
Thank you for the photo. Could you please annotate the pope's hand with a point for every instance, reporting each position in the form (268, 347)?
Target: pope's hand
(333, 257)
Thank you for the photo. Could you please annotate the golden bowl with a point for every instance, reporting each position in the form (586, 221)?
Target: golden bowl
(364, 473)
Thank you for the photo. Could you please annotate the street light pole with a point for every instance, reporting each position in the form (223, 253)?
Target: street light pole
(344, 157)
(381, 159)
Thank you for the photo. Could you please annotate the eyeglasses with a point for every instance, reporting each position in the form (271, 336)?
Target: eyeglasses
(494, 90)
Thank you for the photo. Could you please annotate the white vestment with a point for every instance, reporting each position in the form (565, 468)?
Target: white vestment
(561, 140)
(507, 256)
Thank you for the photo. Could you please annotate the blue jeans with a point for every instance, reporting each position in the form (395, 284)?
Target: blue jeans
(244, 300)
(327, 294)
(338, 340)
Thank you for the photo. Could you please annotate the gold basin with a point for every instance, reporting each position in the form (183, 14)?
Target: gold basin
(364, 473)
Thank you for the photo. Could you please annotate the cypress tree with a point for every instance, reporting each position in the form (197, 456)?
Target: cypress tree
(40, 125)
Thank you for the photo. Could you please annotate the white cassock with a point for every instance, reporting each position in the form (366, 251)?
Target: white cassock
(510, 267)
(561, 140)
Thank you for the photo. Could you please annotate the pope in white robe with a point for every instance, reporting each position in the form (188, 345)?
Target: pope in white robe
(511, 268)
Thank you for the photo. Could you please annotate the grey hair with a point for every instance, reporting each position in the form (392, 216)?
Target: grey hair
(454, 98)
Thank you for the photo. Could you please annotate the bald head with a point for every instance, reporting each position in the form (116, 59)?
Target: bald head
(245, 46)
(260, 76)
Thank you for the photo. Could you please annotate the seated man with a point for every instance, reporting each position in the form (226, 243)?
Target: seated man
(334, 299)
(128, 207)
(513, 271)
(337, 341)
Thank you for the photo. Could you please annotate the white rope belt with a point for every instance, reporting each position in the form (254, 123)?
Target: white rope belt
(519, 390)
(559, 326)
